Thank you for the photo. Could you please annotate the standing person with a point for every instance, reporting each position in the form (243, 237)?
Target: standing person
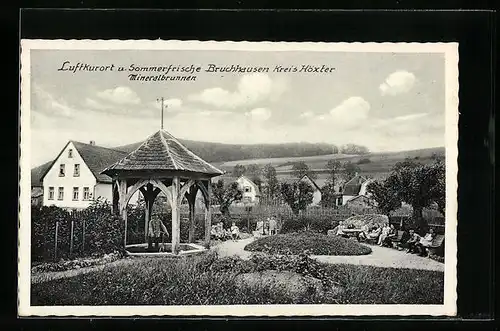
(272, 226)
(156, 229)
(235, 232)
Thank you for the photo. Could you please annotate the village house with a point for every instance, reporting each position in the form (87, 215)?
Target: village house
(355, 187)
(73, 179)
(306, 179)
(250, 191)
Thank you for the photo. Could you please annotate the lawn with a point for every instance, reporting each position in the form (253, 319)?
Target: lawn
(315, 243)
(210, 280)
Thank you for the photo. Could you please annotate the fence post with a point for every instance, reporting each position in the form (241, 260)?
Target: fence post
(55, 242)
(71, 238)
(83, 235)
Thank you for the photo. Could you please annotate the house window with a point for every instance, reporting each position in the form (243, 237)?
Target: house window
(61, 170)
(75, 193)
(247, 189)
(70, 153)
(86, 193)
(76, 173)
(60, 193)
(51, 193)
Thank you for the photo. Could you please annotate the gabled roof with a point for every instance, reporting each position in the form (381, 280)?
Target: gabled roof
(96, 158)
(257, 191)
(353, 186)
(162, 151)
(294, 180)
(38, 172)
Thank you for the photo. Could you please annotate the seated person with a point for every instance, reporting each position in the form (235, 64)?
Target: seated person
(384, 233)
(412, 241)
(363, 234)
(424, 242)
(374, 233)
(387, 241)
(404, 240)
(340, 230)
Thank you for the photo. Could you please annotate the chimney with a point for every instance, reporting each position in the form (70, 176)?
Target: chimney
(92, 142)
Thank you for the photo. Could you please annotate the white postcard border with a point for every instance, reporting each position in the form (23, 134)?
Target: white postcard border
(450, 51)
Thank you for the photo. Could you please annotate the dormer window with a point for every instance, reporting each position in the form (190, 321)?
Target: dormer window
(76, 172)
(248, 189)
(70, 153)
(61, 170)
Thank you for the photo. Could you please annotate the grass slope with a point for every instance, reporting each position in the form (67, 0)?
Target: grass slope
(194, 281)
(314, 243)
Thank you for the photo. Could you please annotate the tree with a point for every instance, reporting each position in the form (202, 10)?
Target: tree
(238, 170)
(328, 196)
(253, 170)
(297, 195)
(226, 195)
(419, 185)
(349, 170)
(354, 149)
(272, 185)
(386, 197)
(334, 168)
(300, 169)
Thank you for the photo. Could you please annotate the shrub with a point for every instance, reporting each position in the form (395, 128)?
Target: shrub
(314, 243)
(313, 223)
(209, 280)
(103, 232)
(364, 161)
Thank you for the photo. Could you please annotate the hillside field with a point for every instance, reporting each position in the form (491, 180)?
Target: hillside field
(380, 164)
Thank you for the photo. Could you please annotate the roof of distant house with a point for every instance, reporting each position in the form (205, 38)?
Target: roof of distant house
(292, 180)
(353, 186)
(257, 191)
(96, 158)
(163, 152)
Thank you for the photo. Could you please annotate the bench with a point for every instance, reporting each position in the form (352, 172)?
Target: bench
(437, 244)
(396, 240)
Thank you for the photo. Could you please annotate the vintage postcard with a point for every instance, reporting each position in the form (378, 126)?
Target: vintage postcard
(188, 178)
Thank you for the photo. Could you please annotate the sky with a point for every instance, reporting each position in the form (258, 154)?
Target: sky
(385, 101)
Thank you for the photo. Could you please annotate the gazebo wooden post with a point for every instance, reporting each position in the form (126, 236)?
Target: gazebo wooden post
(122, 193)
(208, 213)
(175, 215)
(191, 198)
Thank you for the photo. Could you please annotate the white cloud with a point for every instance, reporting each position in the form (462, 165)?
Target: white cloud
(350, 112)
(251, 89)
(410, 117)
(45, 102)
(121, 95)
(397, 83)
(259, 114)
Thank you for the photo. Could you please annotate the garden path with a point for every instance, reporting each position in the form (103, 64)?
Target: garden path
(380, 257)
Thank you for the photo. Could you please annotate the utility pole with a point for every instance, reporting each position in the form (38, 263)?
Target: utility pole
(162, 106)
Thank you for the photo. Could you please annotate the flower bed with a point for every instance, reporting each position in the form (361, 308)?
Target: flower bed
(314, 243)
(64, 265)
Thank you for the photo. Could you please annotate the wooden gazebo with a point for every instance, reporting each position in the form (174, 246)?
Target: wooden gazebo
(163, 164)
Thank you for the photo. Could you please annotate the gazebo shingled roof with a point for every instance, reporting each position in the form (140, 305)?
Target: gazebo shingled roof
(160, 152)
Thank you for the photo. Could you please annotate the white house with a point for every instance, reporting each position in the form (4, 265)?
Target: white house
(73, 180)
(251, 192)
(306, 179)
(355, 187)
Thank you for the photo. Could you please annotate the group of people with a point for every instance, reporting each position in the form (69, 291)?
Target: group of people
(220, 233)
(386, 234)
(269, 226)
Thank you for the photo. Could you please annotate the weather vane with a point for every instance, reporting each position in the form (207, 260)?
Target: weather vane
(162, 106)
